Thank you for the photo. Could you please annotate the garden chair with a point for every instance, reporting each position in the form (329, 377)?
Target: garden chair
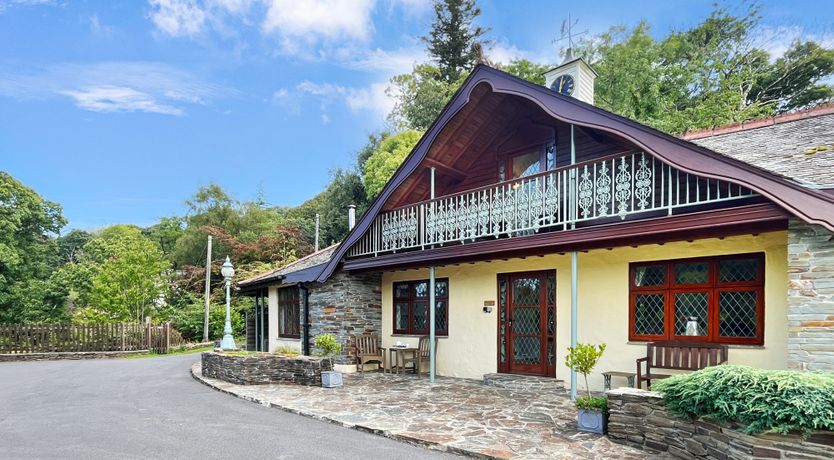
(368, 350)
(421, 355)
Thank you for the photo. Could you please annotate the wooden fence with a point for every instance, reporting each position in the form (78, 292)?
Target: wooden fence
(51, 338)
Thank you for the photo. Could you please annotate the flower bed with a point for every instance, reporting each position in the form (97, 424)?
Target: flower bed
(245, 368)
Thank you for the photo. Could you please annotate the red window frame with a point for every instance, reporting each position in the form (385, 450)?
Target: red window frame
(410, 301)
(713, 287)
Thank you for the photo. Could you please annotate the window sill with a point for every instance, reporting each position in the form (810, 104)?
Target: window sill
(729, 345)
(419, 335)
(297, 339)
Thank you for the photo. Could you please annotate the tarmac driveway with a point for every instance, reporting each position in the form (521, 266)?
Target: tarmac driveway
(153, 408)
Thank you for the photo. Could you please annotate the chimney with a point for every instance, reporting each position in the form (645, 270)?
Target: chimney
(351, 217)
(317, 232)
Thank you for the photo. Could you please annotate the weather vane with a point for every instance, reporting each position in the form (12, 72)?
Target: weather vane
(567, 33)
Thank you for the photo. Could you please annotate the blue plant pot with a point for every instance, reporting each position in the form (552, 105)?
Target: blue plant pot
(331, 379)
(591, 421)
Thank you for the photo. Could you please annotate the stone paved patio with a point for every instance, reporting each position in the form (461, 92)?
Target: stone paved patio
(455, 415)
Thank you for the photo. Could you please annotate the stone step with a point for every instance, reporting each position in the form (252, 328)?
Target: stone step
(517, 382)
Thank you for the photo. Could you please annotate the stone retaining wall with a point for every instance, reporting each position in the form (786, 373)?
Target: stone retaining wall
(810, 297)
(639, 418)
(262, 368)
(67, 355)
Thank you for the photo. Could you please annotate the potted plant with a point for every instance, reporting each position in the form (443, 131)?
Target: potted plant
(592, 410)
(328, 347)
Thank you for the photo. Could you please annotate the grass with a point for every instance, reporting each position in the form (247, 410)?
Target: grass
(176, 352)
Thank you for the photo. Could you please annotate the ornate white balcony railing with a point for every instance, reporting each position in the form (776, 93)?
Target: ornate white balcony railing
(620, 186)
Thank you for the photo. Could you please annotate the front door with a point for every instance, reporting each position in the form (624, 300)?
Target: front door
(527, 323)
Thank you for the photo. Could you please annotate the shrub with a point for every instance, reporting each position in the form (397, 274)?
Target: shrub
(583, 358)
(764, 400)
(328, 347)
(594, 403)
(287, 350)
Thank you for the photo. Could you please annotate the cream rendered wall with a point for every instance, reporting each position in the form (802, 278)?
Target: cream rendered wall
(471, 348)
(274, 340)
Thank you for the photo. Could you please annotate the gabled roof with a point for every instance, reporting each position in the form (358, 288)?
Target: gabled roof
(811, 205)
(797, 146)
(305, 269)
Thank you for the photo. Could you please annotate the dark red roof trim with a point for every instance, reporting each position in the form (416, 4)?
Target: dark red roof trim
(812, 206)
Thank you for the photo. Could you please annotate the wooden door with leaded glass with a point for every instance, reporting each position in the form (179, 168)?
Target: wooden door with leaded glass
(527, 323)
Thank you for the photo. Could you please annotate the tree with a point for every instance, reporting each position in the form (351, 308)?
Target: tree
(454, 40)
(210, 206)
(583, 358)
(345, 189)
(165, 234)
(526, 69)
(130, 278)
(28, 225)
(71, 245)
(710, 74)
(388, 156)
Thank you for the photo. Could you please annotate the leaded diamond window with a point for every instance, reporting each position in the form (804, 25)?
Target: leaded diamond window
(650, 275)
(411, 307)
(527, 350)
(738, 270)
(691, 306)
(716, 299)
(649, 314)
(737, 313)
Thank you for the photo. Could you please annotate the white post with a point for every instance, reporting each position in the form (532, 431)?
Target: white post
(351, 217)
(228, 342)
(574, 269)
(432, 350)
(208, 291)
(317, 232)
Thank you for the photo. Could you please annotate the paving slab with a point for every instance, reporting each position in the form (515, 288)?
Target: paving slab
(455, 415)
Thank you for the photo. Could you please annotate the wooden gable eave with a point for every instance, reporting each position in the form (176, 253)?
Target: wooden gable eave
(813, 206)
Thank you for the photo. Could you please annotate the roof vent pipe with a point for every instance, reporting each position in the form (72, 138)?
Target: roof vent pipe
(351, 217)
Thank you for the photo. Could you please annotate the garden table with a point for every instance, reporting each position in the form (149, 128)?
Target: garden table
(395, 354)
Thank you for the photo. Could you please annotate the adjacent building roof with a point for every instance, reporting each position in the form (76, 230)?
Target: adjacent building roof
(303, 270)
(798, 146)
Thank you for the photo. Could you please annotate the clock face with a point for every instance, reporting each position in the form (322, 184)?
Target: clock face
(563, 85)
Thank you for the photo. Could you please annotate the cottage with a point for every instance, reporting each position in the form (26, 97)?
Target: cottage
(542, 220)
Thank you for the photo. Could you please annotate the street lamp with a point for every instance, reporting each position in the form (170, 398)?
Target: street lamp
(228, 271)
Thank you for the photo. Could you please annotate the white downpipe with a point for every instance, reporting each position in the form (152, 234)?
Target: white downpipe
(432, 350)
(574, 269)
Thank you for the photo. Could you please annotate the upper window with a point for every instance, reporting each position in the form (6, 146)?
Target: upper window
(411, 307)
(525, 164)
(715, 299)
(289, 307)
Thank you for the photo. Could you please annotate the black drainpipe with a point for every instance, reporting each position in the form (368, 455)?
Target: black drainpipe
(305, 305)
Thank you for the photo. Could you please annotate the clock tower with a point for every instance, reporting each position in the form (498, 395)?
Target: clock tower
(574, 78)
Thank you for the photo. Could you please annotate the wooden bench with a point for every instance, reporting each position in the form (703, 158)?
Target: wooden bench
(678, 355)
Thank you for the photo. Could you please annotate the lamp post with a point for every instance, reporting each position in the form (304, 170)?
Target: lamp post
(228, 271)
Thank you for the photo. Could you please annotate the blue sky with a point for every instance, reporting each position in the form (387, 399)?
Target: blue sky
(120, 109)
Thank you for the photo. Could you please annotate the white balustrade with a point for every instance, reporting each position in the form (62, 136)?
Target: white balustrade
(620, 186)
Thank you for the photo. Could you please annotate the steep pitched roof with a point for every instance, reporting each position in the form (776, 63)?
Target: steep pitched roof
(302, 270)
(811, 205)
(797, 146)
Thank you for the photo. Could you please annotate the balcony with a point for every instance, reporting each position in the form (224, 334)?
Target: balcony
(633, 185)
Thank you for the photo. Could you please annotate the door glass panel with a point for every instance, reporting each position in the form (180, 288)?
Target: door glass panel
(688, 306)
(527, 350)
(527, 321)
(525, 165)
(526, 291)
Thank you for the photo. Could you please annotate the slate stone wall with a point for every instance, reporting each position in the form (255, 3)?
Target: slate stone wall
(639, 418)
(346, 305)
(261, 368)
(810, 297)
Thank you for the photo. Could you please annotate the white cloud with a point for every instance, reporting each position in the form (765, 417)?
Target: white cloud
(778, 39)
(112, 86)
(390, 63)
(365, 99)
(97, 27)
(312, 21)
(178, 18)
(6, 4)
(107, 99)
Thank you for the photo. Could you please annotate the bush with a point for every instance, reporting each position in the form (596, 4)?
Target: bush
(764, 400)
(594, 403)
(328, 347)
(583, 358)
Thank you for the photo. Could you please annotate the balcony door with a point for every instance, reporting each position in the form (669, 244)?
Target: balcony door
(527, 323)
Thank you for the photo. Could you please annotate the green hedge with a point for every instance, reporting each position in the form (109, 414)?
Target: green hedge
(764, 400)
